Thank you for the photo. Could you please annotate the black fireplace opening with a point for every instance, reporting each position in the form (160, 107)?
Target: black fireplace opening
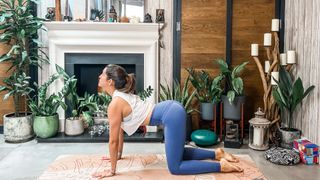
(88, 66)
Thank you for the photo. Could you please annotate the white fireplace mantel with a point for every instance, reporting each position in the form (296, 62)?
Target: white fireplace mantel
(101, 37)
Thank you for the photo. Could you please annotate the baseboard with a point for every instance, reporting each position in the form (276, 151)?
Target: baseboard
(1, 129)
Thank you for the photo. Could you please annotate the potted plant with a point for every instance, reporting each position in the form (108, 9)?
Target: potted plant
(18, 30)
(81, 108)
(289, 94)
(234, 97)
(182, 95)
(44, 108)
(102, 100)
(208, 91)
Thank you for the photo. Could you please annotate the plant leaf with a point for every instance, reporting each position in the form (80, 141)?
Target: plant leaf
(238, 69)
(231, 95)
(223, 66)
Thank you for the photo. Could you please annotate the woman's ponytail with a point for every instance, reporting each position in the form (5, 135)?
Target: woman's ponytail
(130, 85)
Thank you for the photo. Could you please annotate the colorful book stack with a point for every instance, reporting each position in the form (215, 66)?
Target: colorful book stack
(309, 152)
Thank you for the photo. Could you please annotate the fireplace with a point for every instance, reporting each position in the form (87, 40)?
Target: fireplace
(89, 46)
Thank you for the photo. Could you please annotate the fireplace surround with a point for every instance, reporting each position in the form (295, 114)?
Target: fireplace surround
(63, 38)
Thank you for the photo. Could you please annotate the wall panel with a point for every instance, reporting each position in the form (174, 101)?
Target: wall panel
(302, 24)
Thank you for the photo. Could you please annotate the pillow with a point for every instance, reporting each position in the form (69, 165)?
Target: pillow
(282, 156)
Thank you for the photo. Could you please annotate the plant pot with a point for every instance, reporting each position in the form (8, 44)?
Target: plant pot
(232, 111)
(207, 112)
(46, 126)
(18, 129)
(288, 135)
(74, 127)
(188, 127)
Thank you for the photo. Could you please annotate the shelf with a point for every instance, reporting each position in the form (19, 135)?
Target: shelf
(86, 138)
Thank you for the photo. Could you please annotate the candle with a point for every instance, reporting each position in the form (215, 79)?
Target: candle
(275, 25)
(254, 49)
(267, 39)
(291, 57)
(274, 76)
(283, 59)
(266, 66)
(258, 135)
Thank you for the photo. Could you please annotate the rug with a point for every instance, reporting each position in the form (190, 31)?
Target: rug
(134, 167)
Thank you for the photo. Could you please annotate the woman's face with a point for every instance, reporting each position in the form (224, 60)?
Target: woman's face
(104, 83)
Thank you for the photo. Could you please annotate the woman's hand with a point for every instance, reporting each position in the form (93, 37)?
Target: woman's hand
(103, 174)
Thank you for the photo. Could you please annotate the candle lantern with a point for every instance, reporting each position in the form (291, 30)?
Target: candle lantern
(259, 131)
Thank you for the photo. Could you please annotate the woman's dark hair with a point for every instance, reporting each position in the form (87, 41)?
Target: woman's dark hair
(123, 81)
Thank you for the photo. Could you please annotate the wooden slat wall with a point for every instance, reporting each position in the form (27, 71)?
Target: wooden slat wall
(251, 19)
(203, 36)
(302, 25)
(204, 39)
(5, 106)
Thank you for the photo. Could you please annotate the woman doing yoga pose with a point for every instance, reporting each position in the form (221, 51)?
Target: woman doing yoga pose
(127, 112)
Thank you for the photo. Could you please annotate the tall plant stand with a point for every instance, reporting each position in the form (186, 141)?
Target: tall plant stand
(237, 142)
(271, 109)
(214, 122)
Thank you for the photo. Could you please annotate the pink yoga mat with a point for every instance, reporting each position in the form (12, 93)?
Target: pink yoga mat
(132, 167)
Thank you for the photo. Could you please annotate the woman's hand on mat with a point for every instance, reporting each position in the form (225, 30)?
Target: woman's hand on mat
(103, 174)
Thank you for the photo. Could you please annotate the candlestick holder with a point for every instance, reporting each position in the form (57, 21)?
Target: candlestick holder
(270, 107)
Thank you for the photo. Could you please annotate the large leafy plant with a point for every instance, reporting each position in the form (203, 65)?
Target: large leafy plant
(78, 104)
(289, 94)
(234, 83)
(179, 94)
(18, 29)
(43, 105)
(208, 90)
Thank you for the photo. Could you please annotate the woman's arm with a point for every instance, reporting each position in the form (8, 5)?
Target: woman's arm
(115, 118)
(120, 146)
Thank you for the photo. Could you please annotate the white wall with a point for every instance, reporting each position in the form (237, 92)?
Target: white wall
(302, 34)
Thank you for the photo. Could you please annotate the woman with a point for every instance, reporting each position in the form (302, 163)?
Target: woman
(127, 112)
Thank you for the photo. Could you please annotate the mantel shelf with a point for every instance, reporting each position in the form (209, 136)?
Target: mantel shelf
(102, 26)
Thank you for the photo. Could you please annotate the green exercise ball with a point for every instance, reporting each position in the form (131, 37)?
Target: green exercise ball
(203, 137)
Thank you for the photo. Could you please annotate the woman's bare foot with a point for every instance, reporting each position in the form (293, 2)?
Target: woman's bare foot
(220, 153)
(228, 167)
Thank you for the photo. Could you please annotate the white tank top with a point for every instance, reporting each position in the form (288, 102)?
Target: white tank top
(140, 111)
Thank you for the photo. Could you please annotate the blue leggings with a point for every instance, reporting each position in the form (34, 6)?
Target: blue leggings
(180, 160)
